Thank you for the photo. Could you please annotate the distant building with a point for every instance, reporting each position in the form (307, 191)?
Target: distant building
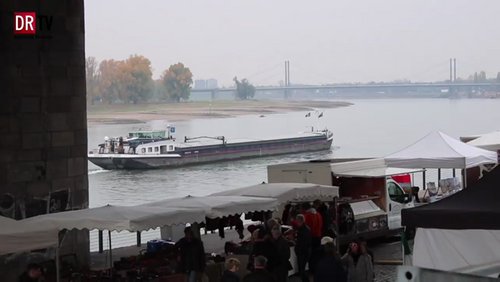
(200, 84)
(212, 83)
(205, 83)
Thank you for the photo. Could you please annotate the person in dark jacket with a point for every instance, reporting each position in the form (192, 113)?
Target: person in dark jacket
(259, 274)
(192, 255)
(229, 275)
(303, 246)
(329, 267)
(262, 246)
(279, 262)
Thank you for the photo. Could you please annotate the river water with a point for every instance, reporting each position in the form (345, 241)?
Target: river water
(368, 128)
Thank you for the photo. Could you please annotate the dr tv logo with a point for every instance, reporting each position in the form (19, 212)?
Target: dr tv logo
(28, 23)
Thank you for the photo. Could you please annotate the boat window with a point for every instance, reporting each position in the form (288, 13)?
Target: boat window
(143, 150)
(150, 149)
(157, 149)
(170, 147)
(163, 149)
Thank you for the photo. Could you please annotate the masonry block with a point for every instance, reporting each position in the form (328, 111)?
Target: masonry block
(63, 138)
(33, 141)
(59, 121)
(76, 166)
(30, 105)
(57, 169)
(63, 183)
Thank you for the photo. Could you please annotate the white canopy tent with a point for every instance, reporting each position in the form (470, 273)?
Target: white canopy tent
(118, 218)
(369, 168)
(489, 141)
(20, 237)
(459, 231)
(448, 249)
(285, 192)
(219, 206)
(438, 150)
(43, 231)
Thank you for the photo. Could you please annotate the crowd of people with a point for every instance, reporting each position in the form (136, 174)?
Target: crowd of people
(316, 252)
(269, 251)
(269, 258)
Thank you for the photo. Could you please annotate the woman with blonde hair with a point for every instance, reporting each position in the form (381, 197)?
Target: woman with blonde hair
(232, 266)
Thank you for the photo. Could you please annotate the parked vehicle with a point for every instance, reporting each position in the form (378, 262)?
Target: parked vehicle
(370, 201)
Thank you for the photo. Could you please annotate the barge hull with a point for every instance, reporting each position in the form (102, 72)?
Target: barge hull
(117, 161)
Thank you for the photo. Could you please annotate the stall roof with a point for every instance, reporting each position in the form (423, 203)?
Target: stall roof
(219, 206)
(368, 168)
(16, 236)
(42, 231)
(285, 192)
(438, 150)
(489, 141)
(476, 207)
(119, 218)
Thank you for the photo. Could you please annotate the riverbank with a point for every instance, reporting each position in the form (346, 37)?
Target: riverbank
(120, 114)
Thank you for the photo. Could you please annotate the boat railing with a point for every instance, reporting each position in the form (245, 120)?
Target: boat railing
(221, 138)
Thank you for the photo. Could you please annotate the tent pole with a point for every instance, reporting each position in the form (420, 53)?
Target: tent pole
(110, 251)
(58, 271)
(465, 177)
(101, 248)
(423, 179)
(58, 253)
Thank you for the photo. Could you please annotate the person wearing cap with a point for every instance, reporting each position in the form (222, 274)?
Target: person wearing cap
(302, 246)
(191, 255)
(326, 240)
(329, 267)
(33, 273)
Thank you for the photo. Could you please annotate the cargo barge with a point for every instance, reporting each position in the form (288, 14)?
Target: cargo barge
(158, 149)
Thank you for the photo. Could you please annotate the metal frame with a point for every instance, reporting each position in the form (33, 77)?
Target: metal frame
(416, 274)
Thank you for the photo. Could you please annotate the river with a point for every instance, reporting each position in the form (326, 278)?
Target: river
(368, 128)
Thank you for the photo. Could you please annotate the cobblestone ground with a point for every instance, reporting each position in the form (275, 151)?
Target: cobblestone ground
(385, 273)
(388, 250)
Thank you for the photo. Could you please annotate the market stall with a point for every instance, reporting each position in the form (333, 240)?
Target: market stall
(461, 230)
(438, 150)
(43, 231)
(17, 237)
(489, 141)
(285, 192)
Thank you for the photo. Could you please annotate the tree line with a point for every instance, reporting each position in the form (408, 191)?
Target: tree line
(131, 81)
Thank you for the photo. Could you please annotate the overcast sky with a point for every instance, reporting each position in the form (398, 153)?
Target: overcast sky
(326, 41)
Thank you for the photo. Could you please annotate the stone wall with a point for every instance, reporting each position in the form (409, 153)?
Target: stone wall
(43, 123)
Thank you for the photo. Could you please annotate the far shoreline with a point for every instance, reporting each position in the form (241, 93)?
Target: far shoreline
(185, 111)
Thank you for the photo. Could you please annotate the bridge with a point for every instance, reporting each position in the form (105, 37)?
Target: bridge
(439, 85)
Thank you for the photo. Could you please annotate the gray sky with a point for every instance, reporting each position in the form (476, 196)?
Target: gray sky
(325, 40)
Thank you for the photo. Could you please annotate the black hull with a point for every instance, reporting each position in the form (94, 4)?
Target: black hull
(117, 161)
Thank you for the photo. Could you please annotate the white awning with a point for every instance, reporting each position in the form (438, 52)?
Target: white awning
(446, 249)
(368, 168)
(285, 192)
(119, 218)
(17, 236)
(219, 206)
(438, 150)
(489, 141)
